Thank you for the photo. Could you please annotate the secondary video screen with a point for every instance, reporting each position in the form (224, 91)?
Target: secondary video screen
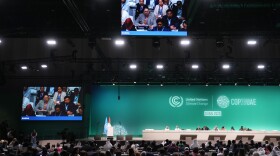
(52, 103)
(154, 18)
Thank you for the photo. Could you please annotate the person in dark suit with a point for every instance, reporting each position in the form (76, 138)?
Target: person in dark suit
(170, 21)
(58, 112)
(75, 97)
(67, 106)
(140, 8)
(160, 26)
(40, 94)
(179, 10)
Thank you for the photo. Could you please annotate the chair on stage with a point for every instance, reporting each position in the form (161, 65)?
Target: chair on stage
(120, 137)
(128, 137)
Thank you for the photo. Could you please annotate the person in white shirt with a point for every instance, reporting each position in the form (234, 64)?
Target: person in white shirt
(107, 146)
(166, 128)
(194, 144)
(160, 9)
(177, 128)
(59, 96)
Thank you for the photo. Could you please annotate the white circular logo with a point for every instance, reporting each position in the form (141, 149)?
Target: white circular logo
(176, 101)
(223, 101)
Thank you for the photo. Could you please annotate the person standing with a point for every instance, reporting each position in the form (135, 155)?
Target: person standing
(33, 138)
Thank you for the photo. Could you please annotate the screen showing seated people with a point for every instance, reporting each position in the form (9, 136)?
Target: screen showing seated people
(52, 103)
(154, 18)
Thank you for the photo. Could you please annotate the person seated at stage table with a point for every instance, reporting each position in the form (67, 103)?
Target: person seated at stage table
(160, 10)
(128, 25)
(68, 107)
(205, 128)
(166, 128)
(160, 26)
(223, 128)
(57, 111)
(140, 8)
(232, 128)
(198, 128)
(242, 128)
(45, 106)
(170, 21)
(216, 128)
(146, 19)
(177, 128)
(58, 96)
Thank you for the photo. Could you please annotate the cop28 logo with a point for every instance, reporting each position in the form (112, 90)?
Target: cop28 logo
(223, 101)
(176, 101)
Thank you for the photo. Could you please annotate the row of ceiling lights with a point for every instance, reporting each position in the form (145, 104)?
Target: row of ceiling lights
(158, 66)
(120, 42)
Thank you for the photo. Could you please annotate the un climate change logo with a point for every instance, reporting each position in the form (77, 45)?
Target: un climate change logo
(223, 101)
(176, 101)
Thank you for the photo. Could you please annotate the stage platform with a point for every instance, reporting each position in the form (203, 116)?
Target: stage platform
(210, 135)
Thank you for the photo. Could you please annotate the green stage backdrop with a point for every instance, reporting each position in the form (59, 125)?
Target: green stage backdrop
(154, 107)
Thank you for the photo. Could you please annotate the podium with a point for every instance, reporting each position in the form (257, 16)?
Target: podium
(110, 132)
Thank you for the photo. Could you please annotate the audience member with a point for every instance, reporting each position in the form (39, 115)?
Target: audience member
(140, 8)
(160, 9)
(59, 96)
(146, 19)
(58, 111)
(40, 94)
(128, 25)
(68, 107)
(45, 106)
(170, 21)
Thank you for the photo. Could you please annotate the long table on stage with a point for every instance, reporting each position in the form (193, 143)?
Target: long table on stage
(210, 135)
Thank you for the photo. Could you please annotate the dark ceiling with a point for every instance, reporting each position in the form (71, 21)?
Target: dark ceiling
(85, 31)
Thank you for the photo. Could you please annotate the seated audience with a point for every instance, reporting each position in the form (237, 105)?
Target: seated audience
(170, 21)
(128, 25)
(140, 8)
(57, 111)
(160, 9)
(45, 106)
(28, 111)
(146, 19)
(160, 26)
(68, 107)
(59, 96)
(40, 94)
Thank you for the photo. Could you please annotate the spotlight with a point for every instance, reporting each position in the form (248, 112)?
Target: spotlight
(114, 84)
(0, 41)
(119, 42)
(251, 42)
(260, 66)
(235, 83)
(24, 67)
(220, 84)
(159, 66)
(185, 42)
(51, 42)
(134, 82)
(226, 66)
(195, 66)
(206, 84)
(133, 66)
(148, 84)
(161, 84)
(44, 66)
(249, 85)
